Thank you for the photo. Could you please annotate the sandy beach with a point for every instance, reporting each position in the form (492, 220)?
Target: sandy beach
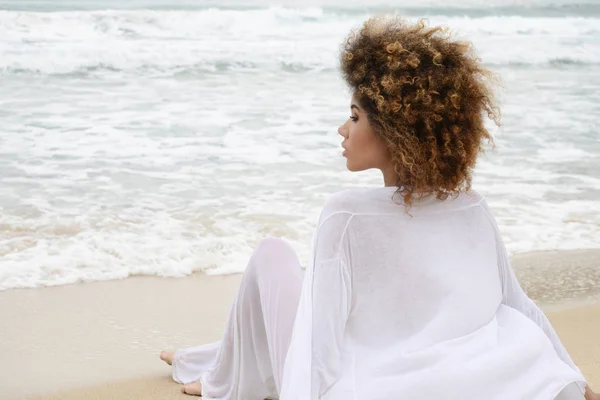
(101, 340)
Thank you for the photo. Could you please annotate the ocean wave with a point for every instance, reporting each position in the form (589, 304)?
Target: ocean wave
(225, 67)
(213, 41)
(569, 61)
(198, 69)
(89, 43)
(553, 63)
(529, 8)
(23, 26)
(533, 11)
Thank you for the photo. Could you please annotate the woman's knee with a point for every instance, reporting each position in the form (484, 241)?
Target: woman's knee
(271, 248)
(274, 253)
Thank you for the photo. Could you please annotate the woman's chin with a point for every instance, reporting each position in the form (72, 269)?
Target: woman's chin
(351, 167)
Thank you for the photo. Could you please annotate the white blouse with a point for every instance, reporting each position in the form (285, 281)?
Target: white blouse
(420, 306)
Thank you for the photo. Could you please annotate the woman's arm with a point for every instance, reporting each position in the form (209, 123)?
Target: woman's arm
(331, 297)
(514, 296)
(314, 359)
(331, 306)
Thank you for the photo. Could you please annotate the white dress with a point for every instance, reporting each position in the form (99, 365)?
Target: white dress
(392, 306)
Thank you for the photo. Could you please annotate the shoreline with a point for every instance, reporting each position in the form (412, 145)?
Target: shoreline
(101, 340)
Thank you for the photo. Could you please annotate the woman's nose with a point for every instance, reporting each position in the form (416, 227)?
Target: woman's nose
(341, 130)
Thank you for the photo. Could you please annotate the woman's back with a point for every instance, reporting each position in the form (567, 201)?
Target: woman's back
(423, 279)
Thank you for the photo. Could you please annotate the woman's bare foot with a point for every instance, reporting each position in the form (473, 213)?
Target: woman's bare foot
(167, 356)
(193, 389)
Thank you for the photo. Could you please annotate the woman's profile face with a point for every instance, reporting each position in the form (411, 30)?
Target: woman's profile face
(363, 149)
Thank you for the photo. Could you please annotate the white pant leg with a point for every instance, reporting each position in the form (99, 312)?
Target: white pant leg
(189, 363)
(248, 362)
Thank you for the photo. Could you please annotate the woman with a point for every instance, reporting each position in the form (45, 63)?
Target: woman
(409, 294)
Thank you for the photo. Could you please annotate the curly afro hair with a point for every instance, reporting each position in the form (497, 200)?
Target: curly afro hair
(427, 96)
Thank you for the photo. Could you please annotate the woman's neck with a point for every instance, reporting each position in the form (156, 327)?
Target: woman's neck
(390, 178)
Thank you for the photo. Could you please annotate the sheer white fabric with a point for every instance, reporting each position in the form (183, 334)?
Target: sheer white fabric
(248, 362)
(392, 305)
(571, 392)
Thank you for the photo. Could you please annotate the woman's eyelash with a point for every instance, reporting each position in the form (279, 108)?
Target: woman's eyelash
(353, 118)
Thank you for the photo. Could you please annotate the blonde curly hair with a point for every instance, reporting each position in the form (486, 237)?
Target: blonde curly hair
(427, 96)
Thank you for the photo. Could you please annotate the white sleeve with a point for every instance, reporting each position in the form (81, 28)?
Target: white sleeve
(314, 358)
(331, 298)
(514, 296)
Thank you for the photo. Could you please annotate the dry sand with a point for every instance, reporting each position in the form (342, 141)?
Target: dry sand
(101, 340)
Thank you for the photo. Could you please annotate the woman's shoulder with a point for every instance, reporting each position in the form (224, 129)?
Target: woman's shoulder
(385, 199)
(346, 200)
(342, 201)
(343, 204)
(357, 200)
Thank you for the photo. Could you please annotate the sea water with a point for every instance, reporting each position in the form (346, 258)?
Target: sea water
(164, 137)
